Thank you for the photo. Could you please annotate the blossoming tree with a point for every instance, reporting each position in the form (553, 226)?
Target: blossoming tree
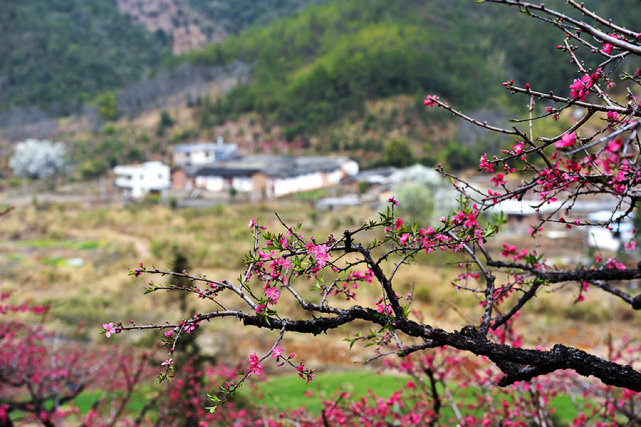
(596, 155)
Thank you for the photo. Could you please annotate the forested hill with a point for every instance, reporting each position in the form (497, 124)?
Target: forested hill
(56, 54)
(313, 68)
(309, 68)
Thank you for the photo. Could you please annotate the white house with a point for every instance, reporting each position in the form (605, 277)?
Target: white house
(612, 237)
(273, 176)
(138, 180)
(202, 153)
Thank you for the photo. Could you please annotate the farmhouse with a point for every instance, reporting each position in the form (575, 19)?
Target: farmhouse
(139, 180)
(202, 153)
(273, 176)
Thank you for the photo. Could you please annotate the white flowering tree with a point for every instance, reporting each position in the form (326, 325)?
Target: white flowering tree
(37, 159)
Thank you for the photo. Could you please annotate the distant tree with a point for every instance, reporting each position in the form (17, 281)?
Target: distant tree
(423, 194)
(107, 105)
(166, 122)
(398, 153)
(39, 159)
(42, 373)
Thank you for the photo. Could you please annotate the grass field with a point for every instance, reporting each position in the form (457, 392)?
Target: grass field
(288, 392)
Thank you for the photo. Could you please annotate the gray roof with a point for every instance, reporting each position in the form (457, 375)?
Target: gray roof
(273, 166)
(224, 171)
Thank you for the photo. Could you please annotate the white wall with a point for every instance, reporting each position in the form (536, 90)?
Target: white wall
(298, 183)
(138, 180)
(210, 183)
(242, 184)
(350, 167)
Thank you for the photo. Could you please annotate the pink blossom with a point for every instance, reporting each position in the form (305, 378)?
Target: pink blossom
(430, 100)
(254, 365)
(393, 201)
(139, 271)
(567, 140)
(319, 252)
(508, 250)
(614, 146)
(554, 112)
(471, 220)
(367, 275)
(403, 239)
(109, 329)
(579, 88)
(277, 352)
(252, 223)
(498, 179)
(518, 148)
(484, 165)
(272, 294)
(459, 217)
(607, 48)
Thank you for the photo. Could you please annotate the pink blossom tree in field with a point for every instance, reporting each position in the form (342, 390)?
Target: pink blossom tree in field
(42, 373)
(483, 372)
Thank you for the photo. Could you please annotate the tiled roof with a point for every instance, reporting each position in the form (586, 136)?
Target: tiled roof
(273, 166)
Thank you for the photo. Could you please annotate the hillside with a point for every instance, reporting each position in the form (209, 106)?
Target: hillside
(312, 69)
(58, 54)
(191, 24)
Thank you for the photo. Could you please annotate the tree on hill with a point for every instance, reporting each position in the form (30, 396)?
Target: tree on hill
(39, 159)
(323, 278)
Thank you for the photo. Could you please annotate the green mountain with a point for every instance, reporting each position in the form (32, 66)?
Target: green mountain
(328, 60)
(312, 69)
(58, 54)
(307, 69)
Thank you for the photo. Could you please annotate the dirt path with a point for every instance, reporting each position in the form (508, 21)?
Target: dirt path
(142, 246)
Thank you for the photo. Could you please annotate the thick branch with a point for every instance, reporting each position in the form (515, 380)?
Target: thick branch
(571, 275)
(519, 364)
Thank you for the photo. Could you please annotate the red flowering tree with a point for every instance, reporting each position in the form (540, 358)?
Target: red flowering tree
(42, 373)
(597, 155)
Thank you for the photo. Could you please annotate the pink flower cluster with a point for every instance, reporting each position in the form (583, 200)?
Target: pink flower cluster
(431, 100)
(580, 87)
(319, 253)
(255, 368)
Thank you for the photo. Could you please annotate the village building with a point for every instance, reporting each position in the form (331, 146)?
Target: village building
(266, 176)
(523, 215)
(136, 181)
(611, 238)
(203, 153)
